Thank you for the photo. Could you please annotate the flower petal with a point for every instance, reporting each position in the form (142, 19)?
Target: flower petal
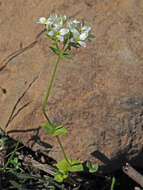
(75, 33)
(77, 24)
(73, 40)
(51, 33)
(52, 17)
(86, 28)
(60, 38)
(83, 44)
(64, 18)
(83, 35)
(42, 20)
(64, 31)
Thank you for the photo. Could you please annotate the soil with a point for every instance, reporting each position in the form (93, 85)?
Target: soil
(80, 181)
(98, 96)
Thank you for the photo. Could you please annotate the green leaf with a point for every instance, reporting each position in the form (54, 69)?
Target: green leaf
(56, 51)
(63, 166)
(16, 185)
(51, 187)
(50, 129)
(88, 164)
(51, 181)
(11, 157)
(67, 56)
(15, 163)
(92, 167)
(91, 36)
(76, 45)
(59, 130)
(65, 41)
(60, 176)
(76, 166)
(113, 183)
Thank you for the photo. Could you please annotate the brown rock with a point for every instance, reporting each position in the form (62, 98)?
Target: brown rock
(98, 97)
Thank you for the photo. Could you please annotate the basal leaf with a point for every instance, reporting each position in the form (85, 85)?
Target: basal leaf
(59, 177)
(88, 164)
(92, 167)
(63, 166)
(76, 166)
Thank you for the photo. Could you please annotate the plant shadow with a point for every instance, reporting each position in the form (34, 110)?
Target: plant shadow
(117, 162)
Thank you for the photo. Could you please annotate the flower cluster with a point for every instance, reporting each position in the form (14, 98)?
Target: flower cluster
(66, 31)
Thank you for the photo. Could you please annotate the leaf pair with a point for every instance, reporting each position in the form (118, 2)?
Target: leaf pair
(92, 167)
(53, 130)
(59, 53)
(65, 167)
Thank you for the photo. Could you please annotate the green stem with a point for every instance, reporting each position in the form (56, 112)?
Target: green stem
(62, 149)
(44, 105)
(49, 89)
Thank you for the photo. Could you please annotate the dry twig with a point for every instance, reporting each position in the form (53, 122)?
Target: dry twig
(28, 160)
(132, 173)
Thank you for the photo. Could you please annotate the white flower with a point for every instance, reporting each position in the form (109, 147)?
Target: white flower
(59, 22)
(50, 21)
(59, 34)
(78, 26)
(86, 29)
(73, 24)
(55, 22)
(42, 20)
(79, 32)
(52, 18)
(79, 37)
(54, 27)
(75, 31)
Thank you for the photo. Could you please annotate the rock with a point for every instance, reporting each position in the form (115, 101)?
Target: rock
(98, 97)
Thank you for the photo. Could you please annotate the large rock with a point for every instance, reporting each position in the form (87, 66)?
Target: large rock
(98, 97)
